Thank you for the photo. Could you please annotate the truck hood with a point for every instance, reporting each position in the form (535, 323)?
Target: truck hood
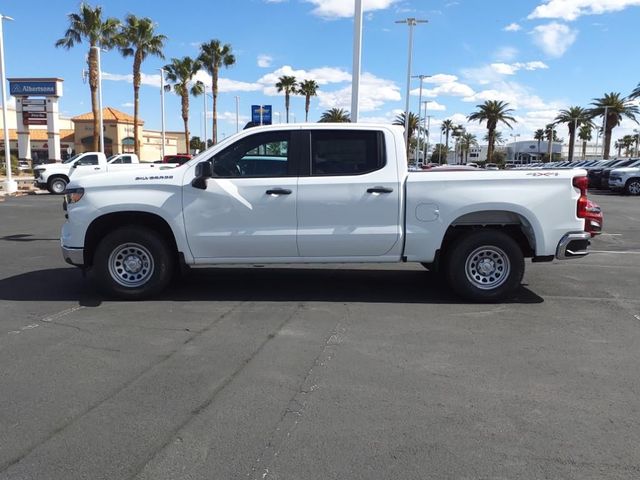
(131, 177)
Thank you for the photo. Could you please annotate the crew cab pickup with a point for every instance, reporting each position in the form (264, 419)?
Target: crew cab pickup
(320, 193)
(55, 176)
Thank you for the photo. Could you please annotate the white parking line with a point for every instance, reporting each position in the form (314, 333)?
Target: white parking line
(625, 252)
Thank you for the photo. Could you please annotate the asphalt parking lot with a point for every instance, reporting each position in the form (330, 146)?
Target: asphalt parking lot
(337, 372)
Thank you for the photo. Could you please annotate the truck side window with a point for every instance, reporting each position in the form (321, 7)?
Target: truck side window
(340, 152)
(260, 155)
(88, 160)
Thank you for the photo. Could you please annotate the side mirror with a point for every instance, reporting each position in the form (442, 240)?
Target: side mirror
(204, 170)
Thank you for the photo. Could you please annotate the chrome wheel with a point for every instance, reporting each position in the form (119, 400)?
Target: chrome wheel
(487, 267)
(634, 187)
(58, 186)
(131, 265)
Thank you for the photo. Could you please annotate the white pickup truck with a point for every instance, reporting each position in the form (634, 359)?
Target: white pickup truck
(55, 176)
(322, 193)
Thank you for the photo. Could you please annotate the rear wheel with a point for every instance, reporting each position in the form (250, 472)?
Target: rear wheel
(57, 185)
(485, 266)
(633, 187)
(133, 263)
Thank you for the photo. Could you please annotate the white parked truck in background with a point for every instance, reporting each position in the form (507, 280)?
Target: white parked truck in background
(55, 176)
(626, 180)
(322, 193)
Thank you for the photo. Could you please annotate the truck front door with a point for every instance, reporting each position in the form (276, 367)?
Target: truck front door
(248, 210)
(349, 197)
(86, 165)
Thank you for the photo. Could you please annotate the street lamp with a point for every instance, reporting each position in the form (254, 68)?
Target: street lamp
(10, 185)
(357, 61)
(162, 90)
(515, 146)
(100, 119)
(411, 22)
(237, 113)
(428, 130)
(421, 77)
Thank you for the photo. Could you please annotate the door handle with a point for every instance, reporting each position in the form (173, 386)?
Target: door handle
(379, 190)
(278, 191)
(96, 168)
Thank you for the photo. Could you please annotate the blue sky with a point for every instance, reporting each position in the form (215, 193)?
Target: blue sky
(539, 55)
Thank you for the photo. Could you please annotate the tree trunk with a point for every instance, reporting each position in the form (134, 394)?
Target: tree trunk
(584, 149)
(307, 104)
(185, 116)
(490, 147)
(607, 143)
(286, 104)
(572, 140)
(93, 86)
(214, 88)
(136, 100)
(447, 143)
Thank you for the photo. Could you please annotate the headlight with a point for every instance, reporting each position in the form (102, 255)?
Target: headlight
(73, 195)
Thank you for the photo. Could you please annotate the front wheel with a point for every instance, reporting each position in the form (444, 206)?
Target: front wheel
(633, 187)
(133, 263)
(485, 266)
(57, 185)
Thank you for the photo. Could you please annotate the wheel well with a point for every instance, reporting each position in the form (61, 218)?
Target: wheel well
(58, 175)
(103, 225)
(513, 224)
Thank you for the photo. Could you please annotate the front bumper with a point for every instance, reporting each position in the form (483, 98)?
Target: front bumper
(73, 256)
(573, 245)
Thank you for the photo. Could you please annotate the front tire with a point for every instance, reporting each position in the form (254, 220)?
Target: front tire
(57, 185)
(632, 187)
(133, 263)
(485, 266)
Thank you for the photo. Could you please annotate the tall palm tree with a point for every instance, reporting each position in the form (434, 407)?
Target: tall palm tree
(287, 84)
(635, 93)
(573, 117)
(180, 72)
(498, 138)
(627, 144)
(335, 115)
(137, 39)
(539, 136)
(308, 88)
(467, 142)
(585, 135)
(446, 127)
(414, 125)
(492, 112)
(616, 108)
(214, 55)
(89, 25)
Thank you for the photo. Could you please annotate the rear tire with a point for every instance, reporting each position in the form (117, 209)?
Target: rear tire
(57, 185)
(484, 266)
(133, 263)
(632, 187)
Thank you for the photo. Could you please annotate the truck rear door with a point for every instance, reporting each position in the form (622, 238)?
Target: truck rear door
(348, 196)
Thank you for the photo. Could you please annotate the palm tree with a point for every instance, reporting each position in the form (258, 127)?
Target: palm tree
(414, 125)
(335, 115)
(616, 108)
(287, 84)
(180, 72)
(214, 55)
(308, 88)
(89, 25)
(539, 136)
(440, 151)
(446, 127)
(627, 144)
(497, 137)
(467, 141)
(137, 39)
(573, 117)
(635, 93)
(585, 135)
(492, 112)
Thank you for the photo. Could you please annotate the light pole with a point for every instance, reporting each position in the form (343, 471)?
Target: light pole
(10, 185)
(357, 63)
(421, 77)
(411, 22)
(100, 119)
(237, 113)
(162, 109)
(515, 146)
(428, 121)
(204, 97)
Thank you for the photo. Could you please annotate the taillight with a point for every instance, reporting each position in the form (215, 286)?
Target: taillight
(586, 209)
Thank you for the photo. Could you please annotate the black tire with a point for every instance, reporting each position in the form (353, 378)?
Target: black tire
(150, 268)
(499, 257)
(57, 185)
(632, 187)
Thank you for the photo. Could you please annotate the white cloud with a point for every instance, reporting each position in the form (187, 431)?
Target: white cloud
(518, 97)
(441, 78)
(451, 89)
(127, 105)
(264, 61)
(512, 27)
(225, 85)
(506, 54)
(570, 10)
(435, 107)
(331, 9)
(150, 80)
(230, 117)
(554, 38)
(511, 69)
(374, 92)
(322, 75)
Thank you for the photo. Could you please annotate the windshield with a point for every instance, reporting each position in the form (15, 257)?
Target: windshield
(71, 159)
(111, 158)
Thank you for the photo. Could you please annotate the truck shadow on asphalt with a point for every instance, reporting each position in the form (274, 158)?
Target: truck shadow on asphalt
(275, 284)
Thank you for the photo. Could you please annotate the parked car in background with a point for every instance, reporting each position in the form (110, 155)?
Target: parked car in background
(491, 166)
(23, 165)
(595, 173)
(179, 158)
(604, 179)
(626, 180)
